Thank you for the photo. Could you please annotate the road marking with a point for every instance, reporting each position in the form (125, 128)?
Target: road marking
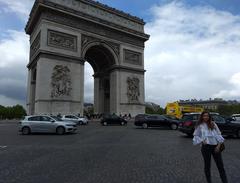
(3, 147)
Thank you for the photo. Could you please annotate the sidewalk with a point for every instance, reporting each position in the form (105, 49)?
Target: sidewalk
(12, 121)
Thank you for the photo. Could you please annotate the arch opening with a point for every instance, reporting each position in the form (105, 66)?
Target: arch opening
(101, 60)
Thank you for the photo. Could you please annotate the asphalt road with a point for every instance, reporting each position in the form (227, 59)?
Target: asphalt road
(111, 154)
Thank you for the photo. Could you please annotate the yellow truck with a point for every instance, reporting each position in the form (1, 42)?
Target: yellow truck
(174, 109)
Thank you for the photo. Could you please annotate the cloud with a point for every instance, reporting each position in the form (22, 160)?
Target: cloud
(14, 51)
(234, 91)
(21, 8)
(88, 83)
(5, 101)
(193, 52)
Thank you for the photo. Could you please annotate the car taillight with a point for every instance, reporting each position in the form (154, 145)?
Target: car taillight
(187, 123)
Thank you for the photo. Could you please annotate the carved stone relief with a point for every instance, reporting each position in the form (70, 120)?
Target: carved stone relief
(62, 40)
(133, 90)
(132, 57)
(35, 45)
(61, 81)
(88, 39)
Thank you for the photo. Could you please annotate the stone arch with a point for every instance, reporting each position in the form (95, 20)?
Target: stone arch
(102, 58)
(102, 44)
(68, 33)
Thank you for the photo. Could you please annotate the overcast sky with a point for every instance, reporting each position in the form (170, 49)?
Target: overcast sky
(193, 52)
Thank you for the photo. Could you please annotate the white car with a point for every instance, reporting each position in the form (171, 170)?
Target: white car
(46, 124)
(75, 119)
(83, 120)
(236, 117)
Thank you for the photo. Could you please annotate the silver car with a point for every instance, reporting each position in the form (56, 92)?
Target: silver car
(75, 119)
(46, 124)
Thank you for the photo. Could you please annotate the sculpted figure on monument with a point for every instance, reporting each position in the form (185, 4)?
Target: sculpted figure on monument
(133, 91)
(61, 81)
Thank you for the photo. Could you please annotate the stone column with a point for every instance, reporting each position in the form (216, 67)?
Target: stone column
(29, 103)
(115, 92)
(96, 95)
(31, 91)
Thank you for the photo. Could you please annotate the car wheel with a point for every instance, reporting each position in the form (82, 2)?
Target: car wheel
(122, 123)
(26, 131)
(80, 123)
(105, 123)
(60, 130)
(145, 125)
(174, 126)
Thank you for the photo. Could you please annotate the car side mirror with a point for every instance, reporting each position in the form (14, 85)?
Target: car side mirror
(52, 121)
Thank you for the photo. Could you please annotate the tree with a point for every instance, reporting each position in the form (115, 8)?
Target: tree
(14, 112)
(228, 110)
(18, 111)
(150, 110)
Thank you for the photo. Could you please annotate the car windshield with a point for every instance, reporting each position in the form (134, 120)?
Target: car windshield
(56, 118)
(186, 118)
(170, 117)
(74, 117)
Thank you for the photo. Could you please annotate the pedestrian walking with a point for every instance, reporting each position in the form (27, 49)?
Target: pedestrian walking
(209, 136)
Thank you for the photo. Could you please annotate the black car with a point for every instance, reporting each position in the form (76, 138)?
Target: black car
(146, 121)
(226, 126)
(113, 120)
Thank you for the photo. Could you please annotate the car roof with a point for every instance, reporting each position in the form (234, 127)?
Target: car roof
(236, 115)
(194, 113)
(38, 115)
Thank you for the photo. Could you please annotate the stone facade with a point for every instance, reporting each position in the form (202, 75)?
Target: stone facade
(66, 34)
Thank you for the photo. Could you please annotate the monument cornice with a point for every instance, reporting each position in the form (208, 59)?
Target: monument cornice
(57, 100)
(141, 104)
(53, 55)
(114, 10)
(91, 28)
(120, 68)
(47, 5)
(127, 69)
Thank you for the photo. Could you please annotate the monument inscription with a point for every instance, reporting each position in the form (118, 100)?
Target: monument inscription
(132, 57)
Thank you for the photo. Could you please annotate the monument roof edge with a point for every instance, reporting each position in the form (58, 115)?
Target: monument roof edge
(94, 3)
(31, 16)
(120, 12)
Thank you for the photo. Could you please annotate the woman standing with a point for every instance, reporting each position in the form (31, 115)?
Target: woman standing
(209, 136)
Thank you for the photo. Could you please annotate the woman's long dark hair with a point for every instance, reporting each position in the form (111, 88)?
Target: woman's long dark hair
(209, 123)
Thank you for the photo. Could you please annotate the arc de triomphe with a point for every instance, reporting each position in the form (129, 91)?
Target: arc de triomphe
(64, 34)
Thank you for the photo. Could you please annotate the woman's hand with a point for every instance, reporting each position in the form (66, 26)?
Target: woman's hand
(217, 148)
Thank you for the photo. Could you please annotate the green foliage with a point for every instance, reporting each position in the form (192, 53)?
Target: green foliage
(149, 110)
(88, 111)
(14, 112)
(228, 110)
